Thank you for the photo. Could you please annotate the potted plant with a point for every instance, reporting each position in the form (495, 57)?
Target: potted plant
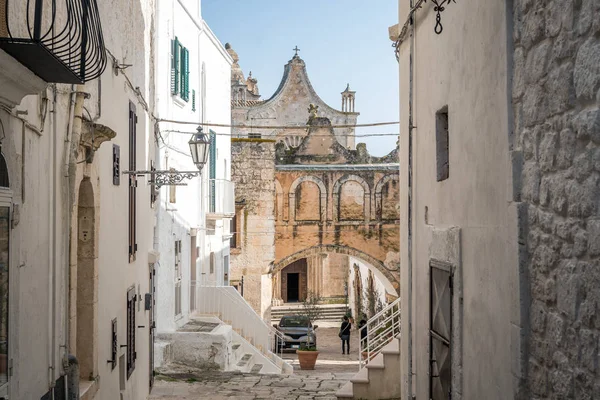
(308, 353)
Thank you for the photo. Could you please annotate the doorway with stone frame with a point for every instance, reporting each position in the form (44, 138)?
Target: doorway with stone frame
(294, 281)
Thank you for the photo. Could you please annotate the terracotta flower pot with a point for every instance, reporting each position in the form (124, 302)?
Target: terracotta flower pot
(307, 359)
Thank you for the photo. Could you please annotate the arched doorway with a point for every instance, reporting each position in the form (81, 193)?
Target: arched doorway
(294, 281)
(87, 283)
(5, 218)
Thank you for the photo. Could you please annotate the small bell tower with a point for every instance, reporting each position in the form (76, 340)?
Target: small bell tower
(348, 100)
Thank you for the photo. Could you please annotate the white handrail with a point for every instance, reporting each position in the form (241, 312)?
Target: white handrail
(381, 329)
(226, 303)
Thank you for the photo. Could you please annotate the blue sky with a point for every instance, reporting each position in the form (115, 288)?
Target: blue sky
(341, 41)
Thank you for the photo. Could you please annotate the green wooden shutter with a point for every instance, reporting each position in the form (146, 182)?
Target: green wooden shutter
(193, 100)
(185, 74)
(175, 62)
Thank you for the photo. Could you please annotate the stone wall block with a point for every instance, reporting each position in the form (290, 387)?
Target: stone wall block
(562, 381)
(560, 88)
(556, 328)
(548, 150)
(538, 316)
(583, 385)
(555, 11)
(558, 198)
(531, 182)
(584, 22)
(564, 46)
(518, 79)
(582, 166)
(538, 376)
(589, 349)
(566, 151)
(587, 69)
(580, 244)
(596, 158)
(550, 290)
(537, 62)
(587, 125)
(568, 289)
(594, 237)
(535, 105)
(533, 27)
(545, 190)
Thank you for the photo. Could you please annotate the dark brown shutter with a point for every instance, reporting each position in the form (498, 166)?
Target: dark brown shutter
(132, 181)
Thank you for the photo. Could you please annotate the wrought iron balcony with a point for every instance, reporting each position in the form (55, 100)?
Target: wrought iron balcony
(58, 40)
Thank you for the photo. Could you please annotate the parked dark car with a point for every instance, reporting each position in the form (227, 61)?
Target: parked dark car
(296, 330)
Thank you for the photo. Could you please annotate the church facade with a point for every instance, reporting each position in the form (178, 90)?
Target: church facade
(310, 205)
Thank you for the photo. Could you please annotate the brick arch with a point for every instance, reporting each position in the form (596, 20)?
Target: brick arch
(292, 195)
(379, 190)
(337, 187)
(388, 274)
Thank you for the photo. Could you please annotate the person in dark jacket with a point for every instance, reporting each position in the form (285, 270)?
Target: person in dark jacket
(345, 335)
(363, 329)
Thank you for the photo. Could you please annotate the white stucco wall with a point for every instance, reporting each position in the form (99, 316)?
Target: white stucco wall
(187, 215)
(380, 286)
(36, 156)
(464, 68)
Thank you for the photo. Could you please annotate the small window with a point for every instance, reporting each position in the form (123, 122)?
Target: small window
(442, 144)
(178, 260)
(233, 229)
(254, 135)
(131, 354)
(212, 262)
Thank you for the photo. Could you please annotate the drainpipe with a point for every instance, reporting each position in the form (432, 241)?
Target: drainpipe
(410, 208)
(70, 171)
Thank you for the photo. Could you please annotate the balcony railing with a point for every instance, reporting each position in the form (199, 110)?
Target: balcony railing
(221, 198)
(58, 40)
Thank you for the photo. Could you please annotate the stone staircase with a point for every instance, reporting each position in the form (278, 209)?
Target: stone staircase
(209, 344)
(330, 312)
(380, 378)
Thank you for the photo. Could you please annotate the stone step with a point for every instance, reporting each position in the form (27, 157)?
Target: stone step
(256, 368)
(244, 360)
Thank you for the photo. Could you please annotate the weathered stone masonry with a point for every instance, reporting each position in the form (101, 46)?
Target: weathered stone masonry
(556, 101)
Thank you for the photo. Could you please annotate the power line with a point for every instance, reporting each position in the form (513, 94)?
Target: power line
(296, 127)
(268, 136)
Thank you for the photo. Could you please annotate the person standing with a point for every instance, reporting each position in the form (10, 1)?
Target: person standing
(345, 335)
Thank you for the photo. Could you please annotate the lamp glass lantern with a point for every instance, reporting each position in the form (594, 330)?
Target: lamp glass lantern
(199, 147)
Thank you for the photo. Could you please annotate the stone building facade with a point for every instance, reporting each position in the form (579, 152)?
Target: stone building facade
(286, 107)
(502, 186)
(307, 200)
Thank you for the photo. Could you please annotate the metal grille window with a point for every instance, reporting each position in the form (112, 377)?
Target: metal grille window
(440, 341)
(442, 144)
(178, 259)
(180, 70)
(132, 182)
(131, 354)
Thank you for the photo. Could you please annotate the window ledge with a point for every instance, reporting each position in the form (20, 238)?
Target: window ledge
(179, 101)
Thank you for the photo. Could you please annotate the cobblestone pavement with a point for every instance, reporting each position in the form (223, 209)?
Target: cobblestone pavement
(331, 372)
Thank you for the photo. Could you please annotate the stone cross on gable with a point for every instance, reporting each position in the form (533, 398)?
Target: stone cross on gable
(296, 50)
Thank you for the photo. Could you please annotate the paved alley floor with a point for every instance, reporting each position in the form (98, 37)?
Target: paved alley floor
(331, 372)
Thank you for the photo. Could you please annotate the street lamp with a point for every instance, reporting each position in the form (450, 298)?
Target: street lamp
(199, 149)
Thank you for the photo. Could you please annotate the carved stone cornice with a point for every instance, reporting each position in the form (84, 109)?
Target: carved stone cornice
(92, 137)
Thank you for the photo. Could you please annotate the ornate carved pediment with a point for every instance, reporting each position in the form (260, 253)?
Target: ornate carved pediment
(92, 137)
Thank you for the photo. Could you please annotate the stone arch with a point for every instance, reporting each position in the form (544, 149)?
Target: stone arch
(278, 201)
(337, 187)
(87, 282)
(391, 281)
(292, 195)
(379, 190)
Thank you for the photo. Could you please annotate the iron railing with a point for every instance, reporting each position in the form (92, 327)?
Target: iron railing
(221, 197)
(60, 41)
(382, 328)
